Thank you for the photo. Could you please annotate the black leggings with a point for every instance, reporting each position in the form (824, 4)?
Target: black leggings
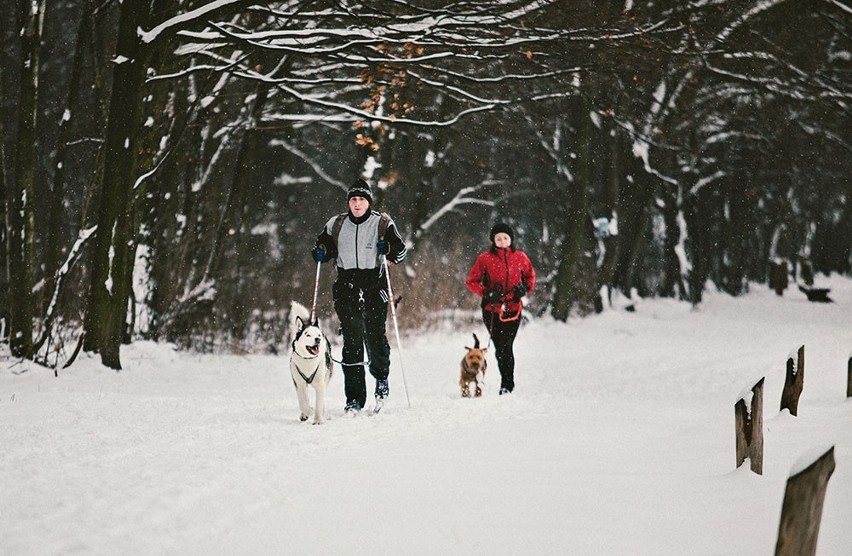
(503, 335)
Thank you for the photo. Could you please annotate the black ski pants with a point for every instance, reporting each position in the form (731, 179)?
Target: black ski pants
(503, 336)
(363, 315)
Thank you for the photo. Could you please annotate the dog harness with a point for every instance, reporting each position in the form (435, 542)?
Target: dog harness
(313, 375)
(468, 369)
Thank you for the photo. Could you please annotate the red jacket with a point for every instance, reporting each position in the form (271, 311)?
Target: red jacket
(501, 270)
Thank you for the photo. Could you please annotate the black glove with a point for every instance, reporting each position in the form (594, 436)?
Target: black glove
(492, 296)
(382, 247)
(318, 253)
(518, 292)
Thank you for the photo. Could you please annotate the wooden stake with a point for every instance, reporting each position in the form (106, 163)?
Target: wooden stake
(795, 383)
(748, 417)
(802, 509)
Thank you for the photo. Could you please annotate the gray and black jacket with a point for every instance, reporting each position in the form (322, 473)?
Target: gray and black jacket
(355, 250)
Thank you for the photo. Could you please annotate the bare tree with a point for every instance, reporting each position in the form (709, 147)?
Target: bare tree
(21, 215)
(694, 128)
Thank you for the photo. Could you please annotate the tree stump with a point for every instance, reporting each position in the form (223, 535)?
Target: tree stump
(795, 382)
(802, 509)
(748, 417)
(778, 280)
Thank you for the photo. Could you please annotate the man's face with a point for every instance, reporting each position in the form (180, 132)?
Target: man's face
(358, 206)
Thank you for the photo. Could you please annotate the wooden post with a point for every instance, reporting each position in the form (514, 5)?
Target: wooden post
(794, 383)
(748, 416)
(849, 377)
(802, 508)
(778, 276)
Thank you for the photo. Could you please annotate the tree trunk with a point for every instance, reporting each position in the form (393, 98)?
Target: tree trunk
(22, 215)
(566, 289)
(231, 212)
(671, 263)
(778, 276)
(636, 195)
(4, 226)
(56, 215)
(697, 221)
(735, 239)
(107, 304)
(611, 208)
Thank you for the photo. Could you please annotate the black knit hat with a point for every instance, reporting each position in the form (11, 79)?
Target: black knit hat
(502, 228)
(360, 188)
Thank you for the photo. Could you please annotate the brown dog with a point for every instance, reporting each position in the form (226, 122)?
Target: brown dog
(473, 369)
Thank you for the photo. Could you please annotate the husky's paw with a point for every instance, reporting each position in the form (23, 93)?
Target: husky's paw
(303, 417)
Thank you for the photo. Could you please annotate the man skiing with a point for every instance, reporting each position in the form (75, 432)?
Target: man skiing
(356, 240)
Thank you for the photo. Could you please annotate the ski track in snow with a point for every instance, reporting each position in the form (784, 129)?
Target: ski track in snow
(618, 440)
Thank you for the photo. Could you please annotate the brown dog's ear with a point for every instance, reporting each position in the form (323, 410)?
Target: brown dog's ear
(468, 348)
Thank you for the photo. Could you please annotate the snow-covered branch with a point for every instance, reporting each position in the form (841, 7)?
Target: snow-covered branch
(309, 160)
(740, 21)
(701, 182)
(846, 8)
(366, 115)
(202, 13)
(70, 260)
(462, 197)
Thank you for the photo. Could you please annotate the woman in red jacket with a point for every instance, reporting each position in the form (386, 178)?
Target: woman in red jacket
(502, 276)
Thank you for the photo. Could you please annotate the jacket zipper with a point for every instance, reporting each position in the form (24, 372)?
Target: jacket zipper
(357, 264)
(506, 262)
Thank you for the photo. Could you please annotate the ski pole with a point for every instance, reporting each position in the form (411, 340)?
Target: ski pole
(316, 290)
(396, 328)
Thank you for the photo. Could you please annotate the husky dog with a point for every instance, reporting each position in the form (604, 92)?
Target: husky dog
(473, 367)
(310, 362)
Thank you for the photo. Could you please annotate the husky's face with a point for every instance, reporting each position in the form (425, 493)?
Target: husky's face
(308, 340)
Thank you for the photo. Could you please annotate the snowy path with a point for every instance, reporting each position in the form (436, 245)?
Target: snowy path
(618, 440)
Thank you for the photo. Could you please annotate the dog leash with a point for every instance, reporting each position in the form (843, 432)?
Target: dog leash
(342, 364)
(490, 330)
(510, 318)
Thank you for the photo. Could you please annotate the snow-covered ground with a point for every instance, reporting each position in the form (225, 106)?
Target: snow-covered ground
(619, 440)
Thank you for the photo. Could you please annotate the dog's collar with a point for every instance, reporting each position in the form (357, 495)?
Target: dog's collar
(466, 366)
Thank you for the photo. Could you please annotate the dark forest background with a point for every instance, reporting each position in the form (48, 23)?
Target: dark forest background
(166, 164)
